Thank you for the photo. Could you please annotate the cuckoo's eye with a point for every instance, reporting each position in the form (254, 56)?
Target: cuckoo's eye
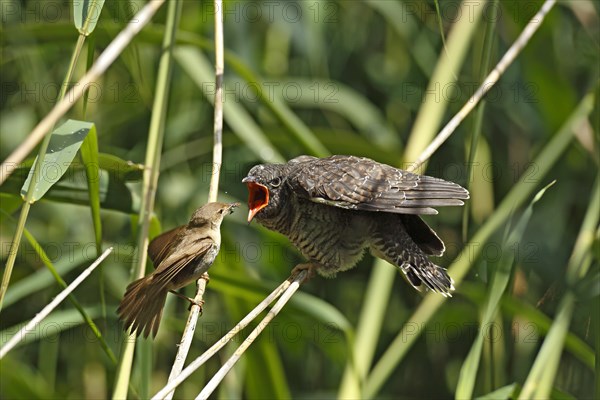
(275, 182)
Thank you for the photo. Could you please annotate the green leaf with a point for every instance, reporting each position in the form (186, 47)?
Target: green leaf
(19, 380)
(72, 189)
(156, 134)
(481, 203)
(337, 97)
(59, 320)
(540, 381)
(468, 372)
(144, 355)
(371, 319)
(125, 171)
(63, 146)
(546, 158)
(557, 394)
(251, 290)
(89, 156)
(279, 108)
(505, 392)
(86, 14)
(243, 125)
(448, 66)
(265, 378)
(85, 317)
(9, 204)
(41, 279)
(512, 306)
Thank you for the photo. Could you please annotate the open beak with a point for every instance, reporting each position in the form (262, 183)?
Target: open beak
(258, 196)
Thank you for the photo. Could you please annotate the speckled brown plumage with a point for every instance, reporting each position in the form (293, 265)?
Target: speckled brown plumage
(334, 208)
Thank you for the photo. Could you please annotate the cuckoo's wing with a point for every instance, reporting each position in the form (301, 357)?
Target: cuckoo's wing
(362, 184)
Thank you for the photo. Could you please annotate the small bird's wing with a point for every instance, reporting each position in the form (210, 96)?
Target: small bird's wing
(363, 184)
(160, 246)
(179, 257)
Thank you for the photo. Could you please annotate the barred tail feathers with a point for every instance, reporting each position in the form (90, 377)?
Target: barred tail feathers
(394, 245)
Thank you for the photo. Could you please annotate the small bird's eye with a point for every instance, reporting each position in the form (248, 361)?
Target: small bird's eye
(275, 181)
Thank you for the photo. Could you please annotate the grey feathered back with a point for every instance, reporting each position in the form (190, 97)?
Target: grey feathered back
(360, 183)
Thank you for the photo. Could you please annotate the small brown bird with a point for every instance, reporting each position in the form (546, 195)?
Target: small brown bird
(334, 208)
(180, 256)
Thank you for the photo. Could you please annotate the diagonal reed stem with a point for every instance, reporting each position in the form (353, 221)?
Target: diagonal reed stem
(30, 326)
(493, 77)
(285, 297)
(194, 365)
(105, 60)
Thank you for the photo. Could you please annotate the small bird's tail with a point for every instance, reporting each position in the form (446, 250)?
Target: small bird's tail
(142, 306)
(396, 247)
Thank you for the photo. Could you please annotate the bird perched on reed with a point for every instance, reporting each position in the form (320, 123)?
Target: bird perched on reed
(181, 256)
(334, 208)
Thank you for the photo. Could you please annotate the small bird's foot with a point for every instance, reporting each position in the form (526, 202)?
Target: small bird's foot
(192, 301)
(310, 269)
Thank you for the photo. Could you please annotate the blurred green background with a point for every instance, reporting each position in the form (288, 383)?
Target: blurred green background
(333, 77)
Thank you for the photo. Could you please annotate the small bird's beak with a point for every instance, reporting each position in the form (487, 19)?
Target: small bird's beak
(258, 196)
(233, 206)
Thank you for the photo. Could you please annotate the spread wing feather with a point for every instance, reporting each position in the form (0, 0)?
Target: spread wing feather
(363, 184)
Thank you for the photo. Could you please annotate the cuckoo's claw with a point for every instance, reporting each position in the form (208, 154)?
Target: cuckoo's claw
(310, 269)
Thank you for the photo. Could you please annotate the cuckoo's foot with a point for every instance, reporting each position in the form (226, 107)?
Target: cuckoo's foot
(192, 301)
(310, 269)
